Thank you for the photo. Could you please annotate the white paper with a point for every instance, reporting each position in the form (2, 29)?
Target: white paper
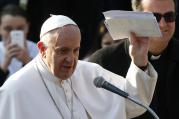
(121, 23)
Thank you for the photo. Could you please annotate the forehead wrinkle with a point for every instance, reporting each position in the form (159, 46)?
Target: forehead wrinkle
(167, 5)
(67, 30)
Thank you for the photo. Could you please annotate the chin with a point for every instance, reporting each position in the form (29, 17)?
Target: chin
(65, 77)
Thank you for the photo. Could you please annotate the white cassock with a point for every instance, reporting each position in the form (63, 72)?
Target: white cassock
(34, 93)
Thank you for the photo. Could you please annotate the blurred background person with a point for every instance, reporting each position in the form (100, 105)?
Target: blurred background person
(12, 56)
(102, 39)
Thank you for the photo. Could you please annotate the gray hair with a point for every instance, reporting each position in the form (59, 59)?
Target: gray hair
(48, 36)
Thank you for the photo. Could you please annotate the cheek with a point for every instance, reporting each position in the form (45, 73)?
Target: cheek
(172, 26)
(75, 63)
(5, 35)
(57, 61)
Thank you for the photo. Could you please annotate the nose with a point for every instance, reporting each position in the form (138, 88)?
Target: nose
(162, 22)
(70, 57)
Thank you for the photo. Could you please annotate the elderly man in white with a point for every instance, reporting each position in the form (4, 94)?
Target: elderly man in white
(56, 85)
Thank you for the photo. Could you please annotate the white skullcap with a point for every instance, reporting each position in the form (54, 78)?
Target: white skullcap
(55, 21)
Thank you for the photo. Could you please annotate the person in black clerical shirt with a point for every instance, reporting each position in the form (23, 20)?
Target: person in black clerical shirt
(163, 54)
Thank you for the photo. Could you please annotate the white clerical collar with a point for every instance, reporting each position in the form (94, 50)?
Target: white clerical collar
(155, 57)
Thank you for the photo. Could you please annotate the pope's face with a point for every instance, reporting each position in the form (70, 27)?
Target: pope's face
(167, 28)
(62, 52)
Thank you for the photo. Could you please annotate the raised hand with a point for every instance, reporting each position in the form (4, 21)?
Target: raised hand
(138, 49)
(12, 50)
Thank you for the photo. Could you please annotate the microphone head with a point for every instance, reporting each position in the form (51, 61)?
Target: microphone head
(99, 81)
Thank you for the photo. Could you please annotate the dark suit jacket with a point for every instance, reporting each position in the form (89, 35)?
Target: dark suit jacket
(166, 98)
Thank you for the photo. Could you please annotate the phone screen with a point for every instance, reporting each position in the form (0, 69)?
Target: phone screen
(17, 37)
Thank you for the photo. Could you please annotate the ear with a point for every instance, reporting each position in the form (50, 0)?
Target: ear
(41, 47)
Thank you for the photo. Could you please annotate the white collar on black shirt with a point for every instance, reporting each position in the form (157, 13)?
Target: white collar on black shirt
(155, 57)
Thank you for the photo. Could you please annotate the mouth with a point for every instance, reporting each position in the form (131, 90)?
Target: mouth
(67, 68)
(164, 30)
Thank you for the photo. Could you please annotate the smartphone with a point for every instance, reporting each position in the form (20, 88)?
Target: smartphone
(17, 37)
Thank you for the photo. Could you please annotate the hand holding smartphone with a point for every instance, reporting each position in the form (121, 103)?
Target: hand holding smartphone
(17, 37)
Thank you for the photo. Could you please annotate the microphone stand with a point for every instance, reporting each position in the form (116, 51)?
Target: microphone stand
(143, 105)
(101, 83)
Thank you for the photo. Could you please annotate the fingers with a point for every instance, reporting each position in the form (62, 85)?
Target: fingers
(132, 38)
(138, 49)
(23, 54)
(12, 50)
(135, 39)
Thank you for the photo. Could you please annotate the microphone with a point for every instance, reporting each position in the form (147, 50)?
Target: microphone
(100, 82)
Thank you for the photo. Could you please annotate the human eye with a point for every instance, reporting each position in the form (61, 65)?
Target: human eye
(7, 29)
(21, 28)
(76, 50)
(61, 51)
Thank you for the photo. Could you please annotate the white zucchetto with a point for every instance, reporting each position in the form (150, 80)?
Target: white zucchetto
(55, 21)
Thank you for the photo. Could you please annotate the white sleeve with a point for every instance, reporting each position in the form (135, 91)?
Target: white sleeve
(140, 85)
